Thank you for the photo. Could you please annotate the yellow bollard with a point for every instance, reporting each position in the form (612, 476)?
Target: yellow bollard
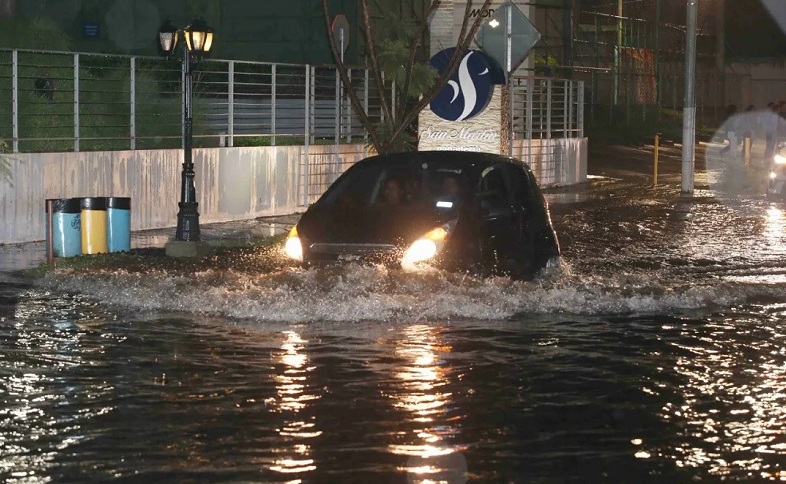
(655, 163)
(746, 149)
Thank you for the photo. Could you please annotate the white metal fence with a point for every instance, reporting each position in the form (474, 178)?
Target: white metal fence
(58, 101)
(545, 108)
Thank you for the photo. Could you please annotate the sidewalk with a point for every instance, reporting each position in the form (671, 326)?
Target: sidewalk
(14, 257)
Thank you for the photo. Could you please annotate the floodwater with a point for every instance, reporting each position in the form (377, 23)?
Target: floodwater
(655, 353)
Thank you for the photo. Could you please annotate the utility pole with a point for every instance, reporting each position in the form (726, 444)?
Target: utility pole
(617, 55)
(720, 47)
(689, 109)
(567, 33)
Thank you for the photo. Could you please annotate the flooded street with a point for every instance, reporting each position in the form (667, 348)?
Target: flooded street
(655, 353)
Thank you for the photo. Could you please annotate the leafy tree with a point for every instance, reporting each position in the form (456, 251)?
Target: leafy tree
(393, 48)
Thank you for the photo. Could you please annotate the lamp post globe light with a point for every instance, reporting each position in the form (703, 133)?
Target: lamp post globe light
(197, 40)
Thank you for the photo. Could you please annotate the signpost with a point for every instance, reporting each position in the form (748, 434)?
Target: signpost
(340, 32)
(508, 38)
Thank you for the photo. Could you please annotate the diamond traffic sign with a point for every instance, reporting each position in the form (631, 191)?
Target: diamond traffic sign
(508, 36)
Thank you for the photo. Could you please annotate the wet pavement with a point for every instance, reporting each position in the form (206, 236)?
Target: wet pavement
(14, 257)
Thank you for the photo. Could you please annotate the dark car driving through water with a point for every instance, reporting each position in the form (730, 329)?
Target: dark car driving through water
(459, 211)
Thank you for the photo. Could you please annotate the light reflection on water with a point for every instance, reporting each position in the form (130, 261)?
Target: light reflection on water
(292, 390)
(431, 456)
(624, 397)
(731, 398)
(656, 353)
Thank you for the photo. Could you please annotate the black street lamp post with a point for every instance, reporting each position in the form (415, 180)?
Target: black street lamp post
(198, 39)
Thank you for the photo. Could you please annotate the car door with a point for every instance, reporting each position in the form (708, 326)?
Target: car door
(527, 216)
(536, 239)
(499, 226)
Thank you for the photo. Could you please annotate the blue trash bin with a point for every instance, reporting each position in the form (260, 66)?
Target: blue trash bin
(118, 224)
(66, 228)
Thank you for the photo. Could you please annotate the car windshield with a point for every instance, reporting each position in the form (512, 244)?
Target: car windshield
(439, 185)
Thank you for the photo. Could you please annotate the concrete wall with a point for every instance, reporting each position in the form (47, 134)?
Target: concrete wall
(231, 183)
(765, 82)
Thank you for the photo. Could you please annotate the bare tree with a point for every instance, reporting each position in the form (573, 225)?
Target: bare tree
(395, 67)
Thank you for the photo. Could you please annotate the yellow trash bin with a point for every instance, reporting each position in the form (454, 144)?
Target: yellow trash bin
(93, 218)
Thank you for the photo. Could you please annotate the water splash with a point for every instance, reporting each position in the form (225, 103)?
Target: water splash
(357, 292)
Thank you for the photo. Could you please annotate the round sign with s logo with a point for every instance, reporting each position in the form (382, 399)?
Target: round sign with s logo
(469, 89)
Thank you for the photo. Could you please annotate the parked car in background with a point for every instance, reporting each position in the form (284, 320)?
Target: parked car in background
(459, 211)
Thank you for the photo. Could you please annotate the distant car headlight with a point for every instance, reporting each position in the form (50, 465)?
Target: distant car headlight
(293, 248)
(773, 175)
(427, 246)
(779, 159)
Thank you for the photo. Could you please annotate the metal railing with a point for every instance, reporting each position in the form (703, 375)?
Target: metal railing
(59, 101)
(547, 108)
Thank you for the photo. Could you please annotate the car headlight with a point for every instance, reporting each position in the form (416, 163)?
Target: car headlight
(779, 159)
(293, 248)
(773, 175)
(428, 245)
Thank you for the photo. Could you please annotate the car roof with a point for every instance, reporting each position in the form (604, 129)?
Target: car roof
(460, 159)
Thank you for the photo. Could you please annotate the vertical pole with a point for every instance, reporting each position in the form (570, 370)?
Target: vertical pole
(337, 110)
(307, 134)
(231, 104)
(50, 244)
(617, 52)
(655, 161)
(339, 106)
(382, 111)
(76, 102)
(393, 101)
(183, 103)
(273, 103)
(336, 121)
(15, 101)
(549, 93)
(313, 100)
(187, 216)
(657, 59)
(132, 105)
(510, 116)
(348, 104)
(689, 112)
(530, 101)
(509, 70)
(580, 116)
(746, 149)
(594, 95)
(720, 46)
(567, 112)
(567, 32)
(365, 105)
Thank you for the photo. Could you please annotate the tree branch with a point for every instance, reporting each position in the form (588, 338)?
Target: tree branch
(383, 99)
(461, 46)
(342, 70)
